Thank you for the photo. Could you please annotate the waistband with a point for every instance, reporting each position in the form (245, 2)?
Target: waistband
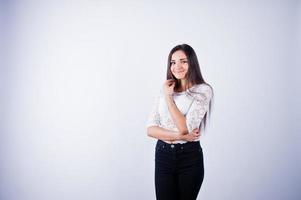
(190, 145)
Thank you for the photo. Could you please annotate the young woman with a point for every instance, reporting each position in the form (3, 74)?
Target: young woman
(179, 113)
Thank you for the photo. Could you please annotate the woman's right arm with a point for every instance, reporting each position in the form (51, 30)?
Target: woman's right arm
(162, 133)
(168, 135)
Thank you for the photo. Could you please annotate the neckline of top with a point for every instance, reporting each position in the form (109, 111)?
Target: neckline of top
(187, 89)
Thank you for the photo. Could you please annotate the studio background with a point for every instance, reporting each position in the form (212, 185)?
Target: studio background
(78, 79)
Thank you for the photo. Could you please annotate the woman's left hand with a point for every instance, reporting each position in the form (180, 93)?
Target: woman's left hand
(168, 87)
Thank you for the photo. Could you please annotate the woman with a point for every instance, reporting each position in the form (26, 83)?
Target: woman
(179, 112)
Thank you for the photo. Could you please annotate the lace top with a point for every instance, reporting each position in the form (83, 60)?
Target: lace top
(193, 104)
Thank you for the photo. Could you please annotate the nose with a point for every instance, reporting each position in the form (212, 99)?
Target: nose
(178, 64)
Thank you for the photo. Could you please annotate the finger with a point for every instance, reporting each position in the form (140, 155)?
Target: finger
(167, 82)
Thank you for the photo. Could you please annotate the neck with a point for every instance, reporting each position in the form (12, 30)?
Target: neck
(183, 84)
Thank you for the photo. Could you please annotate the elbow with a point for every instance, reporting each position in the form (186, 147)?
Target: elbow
(183, 127)
(183, 130)
(149, 132)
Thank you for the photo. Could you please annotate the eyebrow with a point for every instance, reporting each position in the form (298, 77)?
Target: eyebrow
(181, 59)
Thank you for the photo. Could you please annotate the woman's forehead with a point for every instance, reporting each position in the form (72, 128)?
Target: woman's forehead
(178, 55)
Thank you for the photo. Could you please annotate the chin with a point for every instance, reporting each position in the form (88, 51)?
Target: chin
(179, 77)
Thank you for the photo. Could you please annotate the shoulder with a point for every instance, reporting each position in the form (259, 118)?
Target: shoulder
(203, 87)
(202, 90)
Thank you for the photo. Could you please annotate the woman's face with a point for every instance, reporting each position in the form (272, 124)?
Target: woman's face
(179, 64)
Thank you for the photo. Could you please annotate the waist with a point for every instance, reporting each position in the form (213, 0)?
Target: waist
(194, 144)
(180, 141)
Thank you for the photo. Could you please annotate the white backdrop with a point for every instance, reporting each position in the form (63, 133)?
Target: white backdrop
(78, 79)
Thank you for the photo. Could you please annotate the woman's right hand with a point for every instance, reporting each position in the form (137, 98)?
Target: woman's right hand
(192, 135)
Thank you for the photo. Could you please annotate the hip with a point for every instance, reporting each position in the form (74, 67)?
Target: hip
(185, 151)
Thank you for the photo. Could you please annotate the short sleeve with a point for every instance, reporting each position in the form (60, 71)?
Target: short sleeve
(154, 116)
(199, 106)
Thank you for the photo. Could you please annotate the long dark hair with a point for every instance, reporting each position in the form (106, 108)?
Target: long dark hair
(193, 76)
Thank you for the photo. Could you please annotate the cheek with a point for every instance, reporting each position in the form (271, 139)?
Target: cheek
(172, 68)
(186, 67)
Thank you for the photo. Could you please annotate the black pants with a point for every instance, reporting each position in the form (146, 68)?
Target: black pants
(179, 170)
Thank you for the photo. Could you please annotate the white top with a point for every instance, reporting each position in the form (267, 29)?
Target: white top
(193, 104)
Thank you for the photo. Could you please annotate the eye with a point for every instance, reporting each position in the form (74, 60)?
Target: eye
(184, 61)
(172, 63)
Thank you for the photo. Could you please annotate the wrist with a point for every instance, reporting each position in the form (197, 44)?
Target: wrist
(168, 95)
